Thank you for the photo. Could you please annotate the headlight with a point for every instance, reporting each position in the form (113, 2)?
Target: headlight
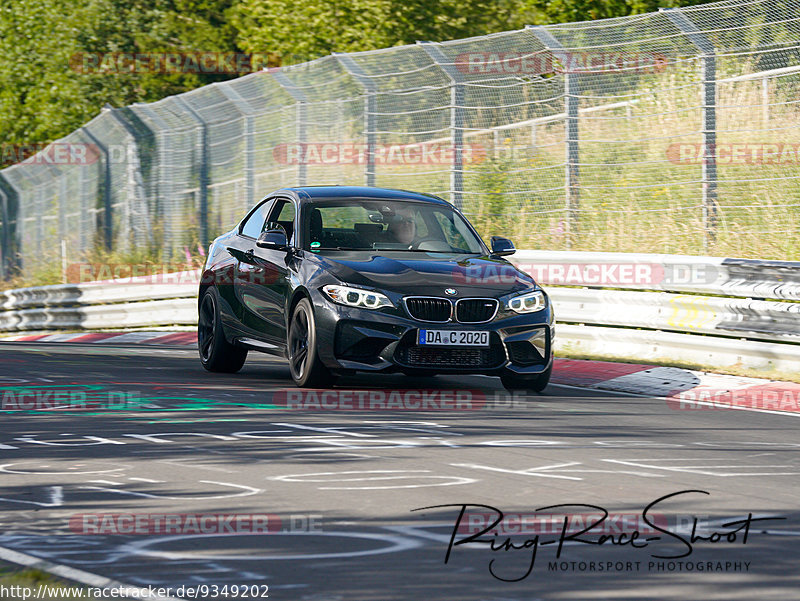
(356, 297)
(530, 302)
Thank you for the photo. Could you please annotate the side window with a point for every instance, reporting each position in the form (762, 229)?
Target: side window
(255, 223)
(283, 214)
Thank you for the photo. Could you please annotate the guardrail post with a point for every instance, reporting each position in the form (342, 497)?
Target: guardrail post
(456, 119)
(108, 228)
(370, 108)
(204, 160)
(300, 116)
(249, 139)
(572, 151)
(708, 73)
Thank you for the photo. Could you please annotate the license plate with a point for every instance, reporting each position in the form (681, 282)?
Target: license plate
(452, 338)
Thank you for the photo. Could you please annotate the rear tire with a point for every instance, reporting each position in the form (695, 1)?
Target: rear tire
(304, 364)
(535, 383)
(216, 353)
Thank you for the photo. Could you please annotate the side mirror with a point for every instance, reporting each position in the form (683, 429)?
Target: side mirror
(502, 247)
(274, 239)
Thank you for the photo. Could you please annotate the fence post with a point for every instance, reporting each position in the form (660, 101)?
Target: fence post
(11, 206)
(4, 234)
(300, 117)
(456, 119)
(198, 118)
(370, 108)
(161, 189)
(572, 150)
(246, 110)
(708, 73)
(63, 194)
(107, 221)
(85, 225)
(136, 194)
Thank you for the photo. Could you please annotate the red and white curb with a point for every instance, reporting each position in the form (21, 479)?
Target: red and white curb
(684, 389)
(162, 338)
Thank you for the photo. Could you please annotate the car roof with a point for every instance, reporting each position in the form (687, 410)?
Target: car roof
(312, 193)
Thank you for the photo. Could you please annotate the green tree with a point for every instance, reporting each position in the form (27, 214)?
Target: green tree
(43, 96)
(300, 30)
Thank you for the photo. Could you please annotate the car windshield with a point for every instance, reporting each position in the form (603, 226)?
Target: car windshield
(387, 225)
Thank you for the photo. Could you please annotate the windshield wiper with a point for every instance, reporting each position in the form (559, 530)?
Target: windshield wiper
(422, 250)
(340, 248)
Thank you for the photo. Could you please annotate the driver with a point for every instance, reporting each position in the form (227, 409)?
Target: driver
(403, 228)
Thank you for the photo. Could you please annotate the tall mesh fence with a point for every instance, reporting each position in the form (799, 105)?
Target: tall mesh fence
(674, 131)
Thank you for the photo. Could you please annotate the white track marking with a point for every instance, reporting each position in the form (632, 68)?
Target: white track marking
(703, 470)
(4, 468)
(533, 471)
(368, 476)
(394, 544)
(335, 431)
(247, 491)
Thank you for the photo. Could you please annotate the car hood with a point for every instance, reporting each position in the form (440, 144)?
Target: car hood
(426, 273)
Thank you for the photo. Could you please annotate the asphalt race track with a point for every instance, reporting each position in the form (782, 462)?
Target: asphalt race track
(161, 437)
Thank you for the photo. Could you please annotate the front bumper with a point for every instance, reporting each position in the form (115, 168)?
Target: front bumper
(350, 339)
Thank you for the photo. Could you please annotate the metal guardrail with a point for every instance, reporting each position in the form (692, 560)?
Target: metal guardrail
(716, 316)
(656, 345)
(713, 311)
(109, 304)
(709, 310)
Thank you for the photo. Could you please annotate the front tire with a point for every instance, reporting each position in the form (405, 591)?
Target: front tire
(535, 383)
(216, 353)
(304, 364)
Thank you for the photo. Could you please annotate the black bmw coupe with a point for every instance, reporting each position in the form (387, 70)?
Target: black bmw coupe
(341, 279)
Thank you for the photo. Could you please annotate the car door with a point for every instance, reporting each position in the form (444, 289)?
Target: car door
(263, 280)
(238, 244)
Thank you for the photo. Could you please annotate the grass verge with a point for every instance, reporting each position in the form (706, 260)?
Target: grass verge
(12, 575)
